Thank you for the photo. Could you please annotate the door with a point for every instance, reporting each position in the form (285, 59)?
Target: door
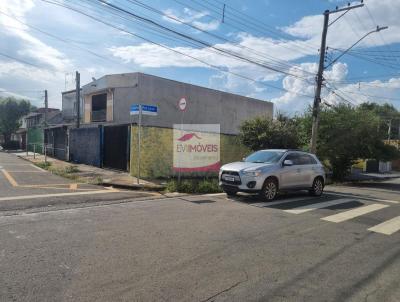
(307, 166)
(115, 147)
(290, 175)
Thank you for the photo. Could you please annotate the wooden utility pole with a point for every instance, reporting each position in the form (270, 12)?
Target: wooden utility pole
(320, 77)
(317, 98)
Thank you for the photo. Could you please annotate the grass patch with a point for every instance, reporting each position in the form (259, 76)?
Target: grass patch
(208, 185)
(71, 169)
(43, 165)
(67, 172)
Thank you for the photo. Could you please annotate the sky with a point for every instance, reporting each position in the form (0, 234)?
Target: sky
(265, 49)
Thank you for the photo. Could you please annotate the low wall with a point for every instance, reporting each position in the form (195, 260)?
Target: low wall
(85, 146)
(157, 152)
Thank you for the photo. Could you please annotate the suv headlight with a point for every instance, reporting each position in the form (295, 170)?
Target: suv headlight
(254, 173)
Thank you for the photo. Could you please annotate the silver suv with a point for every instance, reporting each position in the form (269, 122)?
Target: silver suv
(269, 171)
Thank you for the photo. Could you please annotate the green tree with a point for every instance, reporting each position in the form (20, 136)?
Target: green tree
(265, 133)
(347, 134)
(388, 114)
(11, 110)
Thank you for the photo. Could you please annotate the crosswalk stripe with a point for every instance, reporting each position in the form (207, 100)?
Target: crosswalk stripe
(320, 205)
(267, 204)
(347, 215)
(388, 227)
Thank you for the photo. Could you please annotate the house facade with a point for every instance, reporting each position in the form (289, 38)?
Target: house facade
(105, 117)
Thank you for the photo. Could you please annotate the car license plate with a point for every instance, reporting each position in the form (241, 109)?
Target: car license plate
(228, 178)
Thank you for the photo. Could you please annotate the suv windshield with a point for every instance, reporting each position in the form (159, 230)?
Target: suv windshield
(266, 156)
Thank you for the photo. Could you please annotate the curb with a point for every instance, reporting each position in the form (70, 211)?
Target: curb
(141, 187)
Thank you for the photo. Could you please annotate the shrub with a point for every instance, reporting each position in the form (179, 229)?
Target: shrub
(43, 165)
(71, 169)
(207, 185)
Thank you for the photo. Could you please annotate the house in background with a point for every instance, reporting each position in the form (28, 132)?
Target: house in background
(35, 124)
(107, 135)
(20, 135)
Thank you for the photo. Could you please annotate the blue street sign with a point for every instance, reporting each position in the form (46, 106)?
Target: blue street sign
(146, 109)
(135, 109)
(149, 110)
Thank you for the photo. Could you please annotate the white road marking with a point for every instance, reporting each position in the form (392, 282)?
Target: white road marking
(26, 171)
(386, 200)
(388, 227)
(278, 202)
(363, 197)
(347, 215)
(320, 205)
(55, 195)
(11, 164)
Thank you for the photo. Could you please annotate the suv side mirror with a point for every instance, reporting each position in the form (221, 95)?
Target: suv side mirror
(288, 162)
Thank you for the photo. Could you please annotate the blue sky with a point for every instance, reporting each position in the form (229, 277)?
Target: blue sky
(284, 35)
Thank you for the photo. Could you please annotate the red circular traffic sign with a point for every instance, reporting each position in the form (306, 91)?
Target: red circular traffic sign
(182, 104)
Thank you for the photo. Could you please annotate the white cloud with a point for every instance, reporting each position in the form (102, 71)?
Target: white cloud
(294, 100)
(191, 17)
(353, 25)
(32, 48)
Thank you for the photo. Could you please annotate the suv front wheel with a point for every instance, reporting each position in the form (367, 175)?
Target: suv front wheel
(269, 190)
(317, 187)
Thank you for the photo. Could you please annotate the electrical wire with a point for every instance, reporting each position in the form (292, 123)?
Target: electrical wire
(171, 49)
(280, 63)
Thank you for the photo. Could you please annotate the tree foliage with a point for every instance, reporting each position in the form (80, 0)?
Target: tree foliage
(11, 110)
(347, 134)
(265, 133)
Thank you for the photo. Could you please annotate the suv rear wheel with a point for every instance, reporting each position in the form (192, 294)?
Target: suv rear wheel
(317, 187)
(269, 190)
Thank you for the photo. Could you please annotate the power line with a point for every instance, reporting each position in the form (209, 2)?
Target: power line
(374, 96)
(257, 24)
(244, 27)
(171, 49)
(19, 60)
(281, 63)
(67, 41)
(186, 36)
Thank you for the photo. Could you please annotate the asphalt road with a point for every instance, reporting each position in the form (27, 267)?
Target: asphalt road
(24, 186)
(344, 246)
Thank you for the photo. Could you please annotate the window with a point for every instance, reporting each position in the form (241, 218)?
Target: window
(99, 107)
(266, 156)
(307, 160)
(294, 157)
(301, 159)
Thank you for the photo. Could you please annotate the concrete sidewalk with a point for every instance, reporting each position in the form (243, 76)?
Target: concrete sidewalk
(97, 175)
(373, 176)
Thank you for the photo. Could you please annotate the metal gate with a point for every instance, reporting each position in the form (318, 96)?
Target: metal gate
(56, 141)
(116, 147)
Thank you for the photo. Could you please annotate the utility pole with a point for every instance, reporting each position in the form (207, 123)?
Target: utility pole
(46, 107)
(317, 98)
(389, 130)
(78, 99)
(319, 77)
